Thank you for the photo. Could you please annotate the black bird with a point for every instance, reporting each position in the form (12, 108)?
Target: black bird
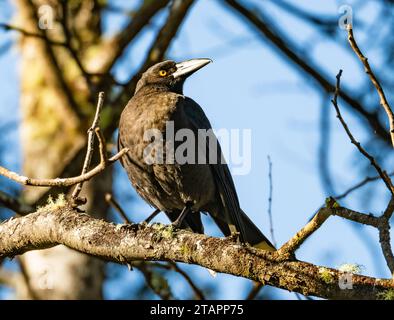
(185, 190)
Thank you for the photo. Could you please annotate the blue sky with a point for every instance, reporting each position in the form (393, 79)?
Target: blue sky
(250, 86)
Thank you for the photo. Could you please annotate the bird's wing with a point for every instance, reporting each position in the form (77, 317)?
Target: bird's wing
(220, 171)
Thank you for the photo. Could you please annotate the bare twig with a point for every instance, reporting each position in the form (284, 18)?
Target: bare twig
(359, 185)
(27, 33)
(158, 288)
(256, 285)
(173, 266)
(270, 201)
(85, 175)
(374, 80)
(383, 174)
(89, 150)
(13, 204)
(382, 223)
(355, 216)
(111, 201)
(69, 45)
(270, 31)
(298, 239)
(254, 291)
(62, 182)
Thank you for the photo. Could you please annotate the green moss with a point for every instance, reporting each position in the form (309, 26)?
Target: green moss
(164, 231)
(331, 203)
(54, 204)
(351, 268)
(386, 295)
(326, 275)
(185, 250)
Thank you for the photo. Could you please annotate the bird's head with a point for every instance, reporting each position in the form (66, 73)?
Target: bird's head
(170, 75)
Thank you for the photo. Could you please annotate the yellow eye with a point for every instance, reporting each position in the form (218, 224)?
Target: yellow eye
(162, 73)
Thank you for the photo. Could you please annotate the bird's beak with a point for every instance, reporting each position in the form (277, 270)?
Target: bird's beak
(188, 67)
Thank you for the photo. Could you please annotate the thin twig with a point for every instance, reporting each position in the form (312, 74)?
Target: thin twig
(359, 185)
(102, 144)
(26, 33)
(15, 205)
(85, 175)
(111, 201)
(374, 80)
(90, 145)
(173, 266)
(62, 182)
(69, 45)
(383, 174)
(256, 285)
(269, 31)
(254, 291)
(270, 201)
(163, 292)
(381, 223)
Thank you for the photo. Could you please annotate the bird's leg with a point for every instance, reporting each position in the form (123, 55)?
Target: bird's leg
(152, 215)
(177, 223)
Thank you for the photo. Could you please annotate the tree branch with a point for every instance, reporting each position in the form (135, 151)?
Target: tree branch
(267, 29)
(54, 224)
(13, 204)
(382, 223)
(89, 150)
(298, 239)
(65, 182)
(27, 33)
(383, 174)
(170, 265)
(374, 80)
(85, 175)
(358, 185)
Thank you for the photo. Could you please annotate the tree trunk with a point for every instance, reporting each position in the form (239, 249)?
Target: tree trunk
(51, 132)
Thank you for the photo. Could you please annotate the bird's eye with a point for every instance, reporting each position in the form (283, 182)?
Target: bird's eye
(162, 73)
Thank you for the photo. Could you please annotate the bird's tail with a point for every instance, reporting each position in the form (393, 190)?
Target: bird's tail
(249, 232)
